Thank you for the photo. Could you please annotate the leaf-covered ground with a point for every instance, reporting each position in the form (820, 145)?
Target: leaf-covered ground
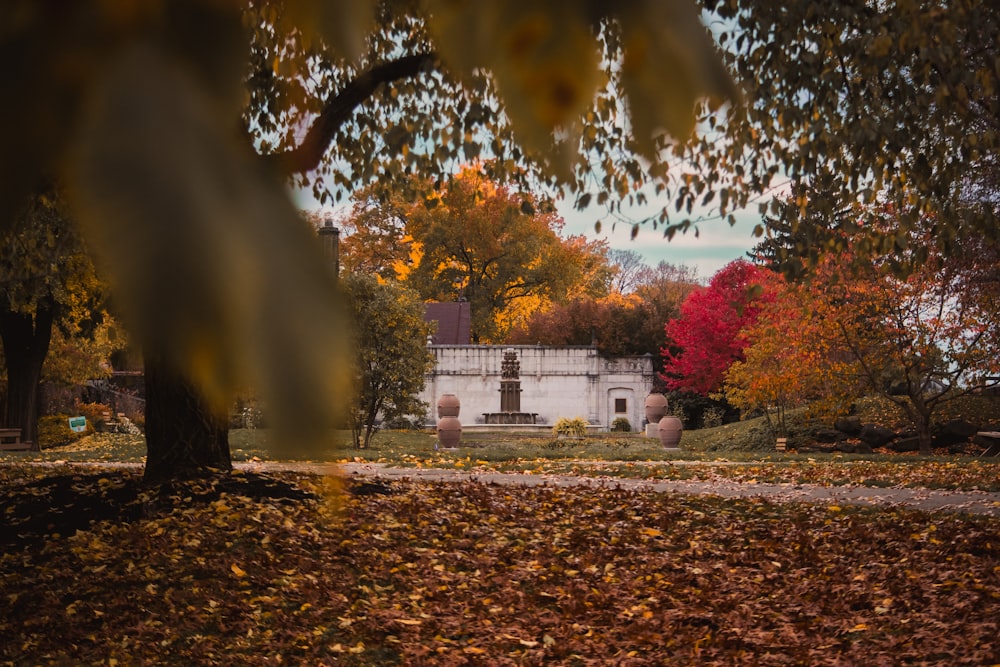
(251, 569)
(964, 474)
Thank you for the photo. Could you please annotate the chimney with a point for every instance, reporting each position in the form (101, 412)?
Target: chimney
(330, 237)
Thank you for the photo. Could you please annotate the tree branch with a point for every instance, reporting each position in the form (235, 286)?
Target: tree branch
(338, 109)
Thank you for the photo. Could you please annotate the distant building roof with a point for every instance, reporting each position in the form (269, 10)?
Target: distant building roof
(454, 322)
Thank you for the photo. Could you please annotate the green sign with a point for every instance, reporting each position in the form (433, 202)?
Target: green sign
(78, 424)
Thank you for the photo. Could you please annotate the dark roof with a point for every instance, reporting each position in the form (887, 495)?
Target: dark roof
(453, 322)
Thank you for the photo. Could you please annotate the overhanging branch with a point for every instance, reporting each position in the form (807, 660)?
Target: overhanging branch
(338, 109)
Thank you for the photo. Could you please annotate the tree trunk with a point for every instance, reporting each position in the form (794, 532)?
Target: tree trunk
(183, 437)
(925, 438)
(922, 417)
(25, 343)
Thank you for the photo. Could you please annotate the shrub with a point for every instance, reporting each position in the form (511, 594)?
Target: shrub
(690, 408)
(54, 431)
(97, 414)
(621, 425)
(572, 427)
(712, 416)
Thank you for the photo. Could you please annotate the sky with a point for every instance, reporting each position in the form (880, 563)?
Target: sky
(716, 244)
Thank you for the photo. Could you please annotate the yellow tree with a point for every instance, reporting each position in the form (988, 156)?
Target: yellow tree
(374, 237)
(484, 244)
(48, 282)
(788, 359)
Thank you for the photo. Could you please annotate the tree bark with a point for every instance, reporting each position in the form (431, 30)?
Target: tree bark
(183, 437)
(25, 343)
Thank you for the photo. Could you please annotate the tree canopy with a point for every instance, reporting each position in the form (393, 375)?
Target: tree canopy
(392, 357)
(477, 242)
(137, 109)
(860, 104)
(708, 336)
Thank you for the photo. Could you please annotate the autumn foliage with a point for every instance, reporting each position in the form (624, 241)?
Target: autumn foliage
(919, 340)
(706, 339)
(474, 240)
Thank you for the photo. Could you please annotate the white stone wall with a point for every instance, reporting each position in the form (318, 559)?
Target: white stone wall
(555, 382)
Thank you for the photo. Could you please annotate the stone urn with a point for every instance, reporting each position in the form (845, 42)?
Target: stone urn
(671, 429)
(448, 405)
(449, 432)
(656, 408)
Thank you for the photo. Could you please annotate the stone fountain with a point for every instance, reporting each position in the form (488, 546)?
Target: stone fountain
(510, 394)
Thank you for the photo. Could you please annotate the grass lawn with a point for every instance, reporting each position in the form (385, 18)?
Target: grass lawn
(608, 454)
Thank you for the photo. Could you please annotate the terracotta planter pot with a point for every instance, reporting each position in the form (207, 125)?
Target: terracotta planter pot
(449, 431)
(671, 429)
(448, 405)
(656, 408)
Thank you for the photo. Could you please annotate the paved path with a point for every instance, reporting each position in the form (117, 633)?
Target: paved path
(970, 502)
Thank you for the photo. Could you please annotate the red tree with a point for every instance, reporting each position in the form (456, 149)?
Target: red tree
(706, 339)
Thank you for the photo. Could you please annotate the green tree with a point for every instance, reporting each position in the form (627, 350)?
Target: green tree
(47, 278)
(391, 345)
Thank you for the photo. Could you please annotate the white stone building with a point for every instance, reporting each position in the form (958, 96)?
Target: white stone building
(554, 382)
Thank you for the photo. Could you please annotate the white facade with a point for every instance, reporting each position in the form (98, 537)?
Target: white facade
(555, 382)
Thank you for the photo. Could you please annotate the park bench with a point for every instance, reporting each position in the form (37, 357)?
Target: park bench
(10, 440)
(990, 440)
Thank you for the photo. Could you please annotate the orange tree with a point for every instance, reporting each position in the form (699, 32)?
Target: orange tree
(919, 341)
(614, 323)
(789, 359)
(619, 324)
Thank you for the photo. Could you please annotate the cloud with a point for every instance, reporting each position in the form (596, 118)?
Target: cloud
(715, 245)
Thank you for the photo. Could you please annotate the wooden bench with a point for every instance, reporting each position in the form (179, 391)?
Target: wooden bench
(10, 440)
(990, 440)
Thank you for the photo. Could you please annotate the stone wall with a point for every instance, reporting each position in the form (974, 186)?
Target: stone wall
(555, 382)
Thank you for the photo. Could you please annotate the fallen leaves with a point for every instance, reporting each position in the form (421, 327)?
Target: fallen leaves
(971, 475)
(465, 573)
